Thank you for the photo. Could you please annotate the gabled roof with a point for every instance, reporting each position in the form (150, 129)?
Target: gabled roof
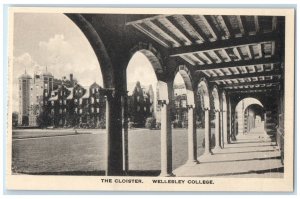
(54, 98)
(87, 92)
(70, 96)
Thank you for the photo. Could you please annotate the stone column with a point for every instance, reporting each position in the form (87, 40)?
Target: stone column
(166, 140)
(221, 129)
(192, 136)
(217, 130)
(125, 132)
(207, 150)
(225, 127)
(114, 149)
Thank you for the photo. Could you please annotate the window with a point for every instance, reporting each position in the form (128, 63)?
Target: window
(65, 110)
(98, 110)
(65, 102)
(92, 109)
(93, 90)
(92, 100)
(80, 111)
(138, 108)
(76, 110)
(52, 102)
(138, 98)
(75, 100)
(183, 103)
(97, 100)
(145, 108)
(60, 102)
(80, 101)
(60, 111)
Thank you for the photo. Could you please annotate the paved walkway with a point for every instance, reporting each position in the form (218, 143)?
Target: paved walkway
(252, 155)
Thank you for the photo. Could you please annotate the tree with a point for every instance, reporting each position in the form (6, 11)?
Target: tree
(14, 119)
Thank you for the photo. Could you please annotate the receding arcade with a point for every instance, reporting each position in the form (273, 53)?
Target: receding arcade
(220, 63)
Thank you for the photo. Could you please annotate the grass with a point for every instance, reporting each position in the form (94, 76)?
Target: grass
(85, 153)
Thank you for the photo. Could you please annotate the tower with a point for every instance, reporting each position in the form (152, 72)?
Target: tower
(25, 88)
(42, 86)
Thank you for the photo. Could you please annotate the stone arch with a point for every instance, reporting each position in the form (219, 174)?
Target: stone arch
(239, 115)
(255, 101)
(98, 47)
(153, 56)
(187, 78)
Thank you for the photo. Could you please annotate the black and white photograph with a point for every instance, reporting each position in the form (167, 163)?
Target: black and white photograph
(151, 99)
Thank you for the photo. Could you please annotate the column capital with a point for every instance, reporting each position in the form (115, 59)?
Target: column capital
(217, 110)
(190, 106)
(162, 102)
(109, 93)
(206, 109)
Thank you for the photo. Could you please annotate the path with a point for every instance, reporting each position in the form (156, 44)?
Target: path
(252, 155)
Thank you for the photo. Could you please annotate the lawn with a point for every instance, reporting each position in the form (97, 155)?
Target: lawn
(83, 153)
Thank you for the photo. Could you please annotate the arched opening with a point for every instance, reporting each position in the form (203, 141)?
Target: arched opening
(67, 104)
(143, 113)
(254, 119)
(183, 119)
(245, 108)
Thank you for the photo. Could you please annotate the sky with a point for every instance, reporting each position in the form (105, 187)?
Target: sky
(53, 41)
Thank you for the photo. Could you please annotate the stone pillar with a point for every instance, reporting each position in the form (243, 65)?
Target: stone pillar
(192, 136)
(221, 130)
(207, 150)
(217, 130)
(225, 130)
(166, 140)
(114, 150)
(125, 132)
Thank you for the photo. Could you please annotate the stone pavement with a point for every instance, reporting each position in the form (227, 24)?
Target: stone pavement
(252, 155)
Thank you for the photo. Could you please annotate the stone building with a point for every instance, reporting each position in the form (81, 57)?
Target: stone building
(140, 104)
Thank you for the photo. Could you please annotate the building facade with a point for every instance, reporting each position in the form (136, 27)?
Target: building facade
(45, 101)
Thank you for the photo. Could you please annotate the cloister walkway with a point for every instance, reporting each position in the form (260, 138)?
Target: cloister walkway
(252, 155)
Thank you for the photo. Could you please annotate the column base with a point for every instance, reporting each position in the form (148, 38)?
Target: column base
(166, 174)
(191, 162)
(217, 149)
(206, 155)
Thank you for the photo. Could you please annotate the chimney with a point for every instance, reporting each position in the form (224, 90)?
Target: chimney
(71, 79)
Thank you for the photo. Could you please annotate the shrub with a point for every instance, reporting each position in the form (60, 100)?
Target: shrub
(131, 125)
(150, 123)
(158, 125)
(102, 124)
(177, 124)
(199, 124)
